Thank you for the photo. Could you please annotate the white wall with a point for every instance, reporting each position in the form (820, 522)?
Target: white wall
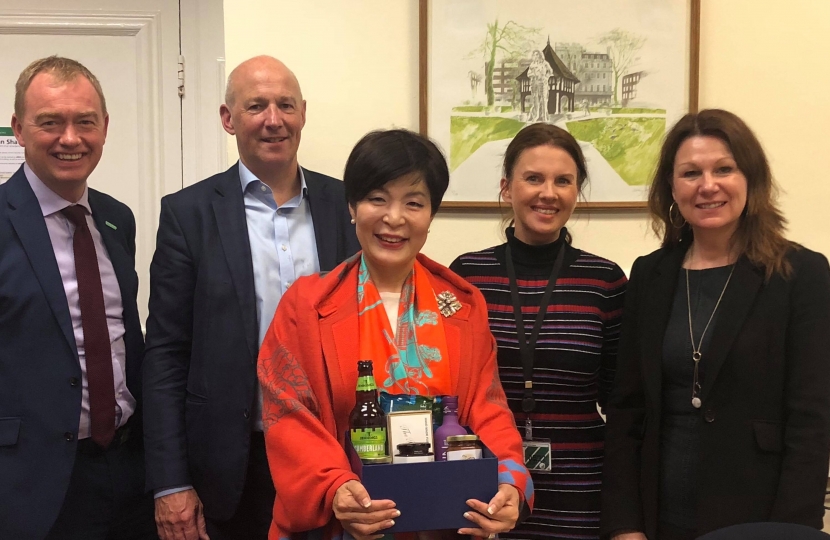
(357, 62)
(767, 60)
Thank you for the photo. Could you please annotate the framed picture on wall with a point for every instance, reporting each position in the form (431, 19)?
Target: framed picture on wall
(614, 73)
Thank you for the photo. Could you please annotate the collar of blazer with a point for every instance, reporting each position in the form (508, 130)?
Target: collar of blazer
(327, 214)
(27, 219)
(115, 239)
(326, 217)
(658, 290)
(229, 212)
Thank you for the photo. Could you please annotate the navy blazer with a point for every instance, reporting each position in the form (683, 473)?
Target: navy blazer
(40, 394)
(765, 416)
(202, 333)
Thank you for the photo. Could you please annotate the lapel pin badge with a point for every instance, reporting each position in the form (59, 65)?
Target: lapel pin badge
(110, 225)
(448, 304)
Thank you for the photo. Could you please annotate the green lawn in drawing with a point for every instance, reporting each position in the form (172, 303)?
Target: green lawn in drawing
(482, 108)
(630, 145)
(469, 133)
(636, 110)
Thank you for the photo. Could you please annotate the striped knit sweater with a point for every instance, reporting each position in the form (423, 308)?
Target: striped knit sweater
(573, 370)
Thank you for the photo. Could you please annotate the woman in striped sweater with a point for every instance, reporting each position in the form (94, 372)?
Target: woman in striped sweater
(569, 354)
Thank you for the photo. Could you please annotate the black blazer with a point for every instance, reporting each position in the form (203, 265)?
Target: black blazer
(765, 435)
(202, 334)
(40, 398)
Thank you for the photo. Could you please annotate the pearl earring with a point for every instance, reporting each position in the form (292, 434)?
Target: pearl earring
(352, 221)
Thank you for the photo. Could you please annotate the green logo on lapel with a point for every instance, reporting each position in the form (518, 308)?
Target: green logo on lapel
(110, 225)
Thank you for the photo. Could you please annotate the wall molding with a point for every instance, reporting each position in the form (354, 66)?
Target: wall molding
(77, 23)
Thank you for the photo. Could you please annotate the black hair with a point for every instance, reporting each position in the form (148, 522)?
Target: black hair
(385, 155)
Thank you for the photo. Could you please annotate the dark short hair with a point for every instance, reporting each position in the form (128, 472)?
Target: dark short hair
(385, 155)
(760, 233)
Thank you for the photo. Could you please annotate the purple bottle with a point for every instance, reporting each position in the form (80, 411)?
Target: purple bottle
(448, 428)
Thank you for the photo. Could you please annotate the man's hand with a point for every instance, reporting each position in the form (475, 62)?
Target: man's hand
(359, 515)
(179, 516)
(629, 536)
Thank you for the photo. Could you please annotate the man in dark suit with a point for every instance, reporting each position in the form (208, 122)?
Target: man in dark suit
(227, 249)
(71, 458)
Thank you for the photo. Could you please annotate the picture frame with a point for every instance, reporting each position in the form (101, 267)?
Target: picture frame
(620, 73)
(409, 427)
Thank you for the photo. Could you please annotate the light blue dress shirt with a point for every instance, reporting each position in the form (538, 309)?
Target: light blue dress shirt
(283, 248)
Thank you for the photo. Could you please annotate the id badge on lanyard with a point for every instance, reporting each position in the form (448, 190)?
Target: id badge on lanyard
(537, 452)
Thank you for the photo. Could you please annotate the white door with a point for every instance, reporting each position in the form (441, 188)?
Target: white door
(133, 49)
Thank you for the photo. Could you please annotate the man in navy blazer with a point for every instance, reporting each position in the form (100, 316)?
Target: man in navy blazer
(227, 248)
(69, 467)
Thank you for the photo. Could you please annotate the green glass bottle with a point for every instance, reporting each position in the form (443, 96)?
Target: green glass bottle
(367, 422)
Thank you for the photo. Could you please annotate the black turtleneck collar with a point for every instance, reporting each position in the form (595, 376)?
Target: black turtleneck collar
(537, 257)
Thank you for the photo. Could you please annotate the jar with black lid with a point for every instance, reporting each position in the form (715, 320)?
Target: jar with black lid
(414, 452)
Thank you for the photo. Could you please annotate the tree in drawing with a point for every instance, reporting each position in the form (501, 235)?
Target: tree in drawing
(510, 42)
(475, 79)
(622, 49)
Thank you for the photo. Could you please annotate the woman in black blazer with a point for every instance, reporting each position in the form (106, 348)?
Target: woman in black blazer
(720, 412)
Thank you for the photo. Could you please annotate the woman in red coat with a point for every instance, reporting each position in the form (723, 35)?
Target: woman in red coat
(382, 304)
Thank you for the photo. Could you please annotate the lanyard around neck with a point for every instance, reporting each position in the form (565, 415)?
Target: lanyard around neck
(527, 347)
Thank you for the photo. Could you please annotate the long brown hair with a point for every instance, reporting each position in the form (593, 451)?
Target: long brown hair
(541, 134)
(760, 232)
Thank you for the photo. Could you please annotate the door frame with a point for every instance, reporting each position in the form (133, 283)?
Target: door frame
(204, 142)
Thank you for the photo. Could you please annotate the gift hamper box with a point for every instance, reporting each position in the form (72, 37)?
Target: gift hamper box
(431, 495)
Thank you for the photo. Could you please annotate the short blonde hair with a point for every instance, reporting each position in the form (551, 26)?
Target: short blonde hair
(63, 69)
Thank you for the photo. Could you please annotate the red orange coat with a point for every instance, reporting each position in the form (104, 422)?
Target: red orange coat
(308, 372)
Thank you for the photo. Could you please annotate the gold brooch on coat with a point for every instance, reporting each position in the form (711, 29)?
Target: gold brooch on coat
(448, 304)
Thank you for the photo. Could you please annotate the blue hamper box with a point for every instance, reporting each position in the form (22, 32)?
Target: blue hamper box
(431, 495)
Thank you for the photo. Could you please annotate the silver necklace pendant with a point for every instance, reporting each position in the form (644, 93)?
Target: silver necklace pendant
(696, 354)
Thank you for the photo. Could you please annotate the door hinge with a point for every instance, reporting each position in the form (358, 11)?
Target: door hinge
(181, 75)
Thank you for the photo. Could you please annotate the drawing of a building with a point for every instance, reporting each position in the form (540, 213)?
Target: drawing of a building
(629, 86)
(561, 85)
(594, 70)
(505, 87)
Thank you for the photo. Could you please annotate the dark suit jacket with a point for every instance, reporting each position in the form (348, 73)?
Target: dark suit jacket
(765, 434)
(202, 333)
(40, 397)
